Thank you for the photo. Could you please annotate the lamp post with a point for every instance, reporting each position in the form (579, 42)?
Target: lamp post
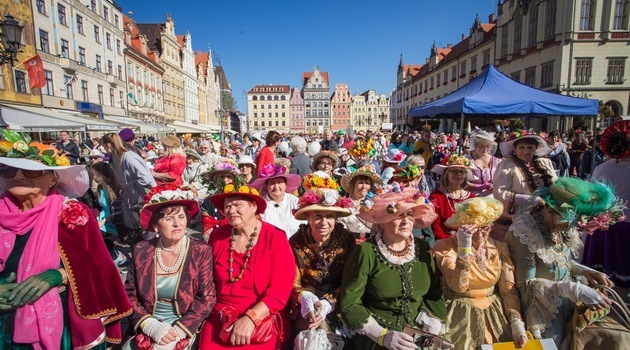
(11, 39)
(219, 114)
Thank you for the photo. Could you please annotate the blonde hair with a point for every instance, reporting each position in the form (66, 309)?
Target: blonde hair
(444, 179)
(415, 160)
(171, 151)
(118, 146)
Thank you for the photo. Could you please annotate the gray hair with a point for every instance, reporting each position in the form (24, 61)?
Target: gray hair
(298, 143)
(204, 143)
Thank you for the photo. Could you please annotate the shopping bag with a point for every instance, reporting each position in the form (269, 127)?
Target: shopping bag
(532, 344)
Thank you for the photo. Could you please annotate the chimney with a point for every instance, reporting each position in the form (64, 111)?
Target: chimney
(448, 46)
(491, 18)
(463, 36)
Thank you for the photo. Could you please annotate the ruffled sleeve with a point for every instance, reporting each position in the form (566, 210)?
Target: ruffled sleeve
(456, 277)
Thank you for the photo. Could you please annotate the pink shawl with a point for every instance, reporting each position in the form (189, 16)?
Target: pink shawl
(41, 323)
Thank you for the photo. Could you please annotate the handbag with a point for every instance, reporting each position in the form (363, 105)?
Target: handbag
(532, 344)
(269, 327)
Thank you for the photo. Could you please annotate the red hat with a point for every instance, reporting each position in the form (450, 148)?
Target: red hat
(245, 191)
(166, 195)
(614, 138)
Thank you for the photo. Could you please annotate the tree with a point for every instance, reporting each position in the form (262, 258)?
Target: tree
(227, 101)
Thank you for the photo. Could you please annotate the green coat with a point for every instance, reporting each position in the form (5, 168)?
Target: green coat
(392, 294)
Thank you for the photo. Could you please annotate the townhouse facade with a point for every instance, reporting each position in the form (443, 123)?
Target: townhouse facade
(269, 108)
(191, 82)
(341, 103)
(297, 111)
(359, 112)
(316, 94)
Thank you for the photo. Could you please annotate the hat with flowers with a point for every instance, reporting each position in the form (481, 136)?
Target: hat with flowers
(322, 195)
(18, 150)
(479, 211)
(408, 173)
(615, 141)
(274, 171)
(454, 161)
(542, 148)
(391, 201)
(394, 155)
(166, 195)
(239, 190)
(225, 166)
(361, 147)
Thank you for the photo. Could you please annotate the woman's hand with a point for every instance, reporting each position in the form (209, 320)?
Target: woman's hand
(315, 318)
(241, 331)
(32, 288)
(518, 332)
(169, 337)
(394, 340)
(595, 278)
(6, 287)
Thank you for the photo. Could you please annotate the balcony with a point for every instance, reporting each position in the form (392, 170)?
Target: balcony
(111, 79)
(68, 65)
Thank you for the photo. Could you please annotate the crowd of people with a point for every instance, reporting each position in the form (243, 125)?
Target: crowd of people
(367, 240)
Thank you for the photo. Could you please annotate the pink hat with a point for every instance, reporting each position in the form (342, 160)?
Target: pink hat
(387, 207)
(273, 171)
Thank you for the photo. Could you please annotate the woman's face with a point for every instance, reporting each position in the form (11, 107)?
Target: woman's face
(238, 211)
(226, 178)
(482, 148)
(276, 188)
(246, 169)
(362, 186)
(172, 226)
(34, 186)
(482, 233)
(321, 224)
(326, 165)
(400, 228)
(108, 147)
(552, 219)
(525, 151)
(456, 176)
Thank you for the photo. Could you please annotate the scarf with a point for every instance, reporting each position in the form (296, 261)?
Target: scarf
(42, 323)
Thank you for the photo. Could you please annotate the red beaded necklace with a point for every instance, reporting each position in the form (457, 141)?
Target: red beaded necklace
(248, 254)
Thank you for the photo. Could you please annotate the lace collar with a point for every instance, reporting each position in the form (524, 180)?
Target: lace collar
(398, 260)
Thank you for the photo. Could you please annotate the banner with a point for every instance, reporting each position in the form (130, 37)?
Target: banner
(36, 73)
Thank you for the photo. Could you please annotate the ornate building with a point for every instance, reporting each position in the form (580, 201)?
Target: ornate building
(207, 89)
(341, 102)
(316, 94)
(297, 111)
(191, 82)
(269, 108)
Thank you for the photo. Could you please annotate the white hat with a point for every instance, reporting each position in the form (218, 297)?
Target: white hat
(73, 180)
(256, 136)
(542, 148)
(152, 155)
(246, 159)
(95, 153)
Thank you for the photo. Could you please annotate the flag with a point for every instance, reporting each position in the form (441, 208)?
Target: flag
(36, 73)
(133, 99)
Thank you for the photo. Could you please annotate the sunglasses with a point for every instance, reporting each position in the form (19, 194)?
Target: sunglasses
(8, 172)
(457, 172)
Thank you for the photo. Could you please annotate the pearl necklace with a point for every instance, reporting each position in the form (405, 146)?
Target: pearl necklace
(180, 256)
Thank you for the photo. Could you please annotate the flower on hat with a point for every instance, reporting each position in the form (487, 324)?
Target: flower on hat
(518, 133)
(361, 147)
(232, 188)
(167, 192)
(319, 180)
(20, 145)
(603, 221)
(409, 172)
(457, 159)
(271, 169)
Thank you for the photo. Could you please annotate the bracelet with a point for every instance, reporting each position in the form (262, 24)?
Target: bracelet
(381, 336)
(253, 316)
(466, 250)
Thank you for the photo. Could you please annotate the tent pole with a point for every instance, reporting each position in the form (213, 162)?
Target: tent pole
(461, 134)
(593, 144)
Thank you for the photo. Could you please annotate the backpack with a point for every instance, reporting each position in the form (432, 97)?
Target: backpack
(126, 211)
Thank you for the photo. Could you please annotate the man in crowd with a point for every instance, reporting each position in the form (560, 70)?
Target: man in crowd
(68, 147)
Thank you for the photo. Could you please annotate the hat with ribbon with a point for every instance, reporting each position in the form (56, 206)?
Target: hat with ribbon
(454, 161)
(392, 202)
(242, 191)
(542, 148)
(394, 155)
(322, 195)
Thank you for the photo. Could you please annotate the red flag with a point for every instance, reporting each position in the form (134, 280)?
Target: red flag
(36, 72)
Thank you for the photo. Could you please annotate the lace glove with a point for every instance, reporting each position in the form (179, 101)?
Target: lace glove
(389, 339)
(519, 335)
(579, 292)
(307, 303)
(32, 288)
(429, 323)
(325, 309)
(464, 242)
(155, 329)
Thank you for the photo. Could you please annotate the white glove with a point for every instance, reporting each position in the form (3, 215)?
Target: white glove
(155, 329)
(307, 303)
(325, 309)
(464, 242)
(394, 340)
(429, 324)
(518, 332)
(579, 292)
(169, 346)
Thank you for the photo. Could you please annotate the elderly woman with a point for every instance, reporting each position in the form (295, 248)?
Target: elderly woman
(300, 161)
(454, 176)
(484, 164)
(170, 167)
(53, 258)
(276, 185)
(358, 185)
(543, 243)
(193, 174)
(559, 155)
(251, 273)
(423, 183)
(326, 162)
(223, 174)
(390, 282)
(321, 248)
(524, 170)
(170, 282)
(482, 303)
(247, 167)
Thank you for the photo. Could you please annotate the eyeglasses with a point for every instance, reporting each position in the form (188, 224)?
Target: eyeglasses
(457, 172)
(325, 164)
(8, 172)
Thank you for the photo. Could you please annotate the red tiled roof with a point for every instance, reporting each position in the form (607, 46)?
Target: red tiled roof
(202, 58)
(180, 41)
(307, 75)
(413, 69)
(263, 89)
(487, 27)
(135, 40)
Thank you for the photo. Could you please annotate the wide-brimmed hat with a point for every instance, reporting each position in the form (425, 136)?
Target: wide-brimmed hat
(454, 161)
(256, 136)
(322, 195)
(274, 171)
(246, 159)
(408, 173)
(394, 155)
(127, 135)
(479, 211)
(507, 147)
(166, 195)
(192, 153)
(615, 141)
(237, 190)
(388, 206)
(95, 153)
(170, 141)
(323, 154)
(367, 171)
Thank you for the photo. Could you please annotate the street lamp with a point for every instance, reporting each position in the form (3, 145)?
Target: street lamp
(11, 39)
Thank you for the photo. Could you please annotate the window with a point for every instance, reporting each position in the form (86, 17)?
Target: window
(486, 58)
(84, 90)
(106, 13)
(532, 27)
(119, 71)
(108, 40)
(65, 50)
(116, 20)
(462, 69)
(615, 70)
(110, 67)
(546, 75)
(93, 5)
(454, 72)
(445, 76)
(504, 41)
(61, 11)
(530, 76)
(98, 63)
(97, 34)
(41, 6)
(583, 70)
(43, 41)
(621, 15)
(80, 24)
(20, 81)
(118, 47)
(518, 31)
(111, 97)
(473, 64)
(82, 56)
(129, 72)
(49, 89)
(67, 84)
(550, 19)
(586, 14)
(516, 76)
(431, 83)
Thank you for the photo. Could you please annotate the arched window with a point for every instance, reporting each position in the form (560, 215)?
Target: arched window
(255, 98)
(262, 98)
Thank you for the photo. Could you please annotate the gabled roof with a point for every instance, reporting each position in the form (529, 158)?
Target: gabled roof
(180, 41)
(263, 89)
(219, 73)
(201, 58)
(136, 43)
(413, 69)
(307, 75)
(152, 31)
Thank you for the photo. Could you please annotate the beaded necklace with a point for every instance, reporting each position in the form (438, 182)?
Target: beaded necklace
(248, 254)
(180, 256)
(398, 253)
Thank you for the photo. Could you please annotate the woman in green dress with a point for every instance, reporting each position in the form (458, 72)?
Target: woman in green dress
(390, 282)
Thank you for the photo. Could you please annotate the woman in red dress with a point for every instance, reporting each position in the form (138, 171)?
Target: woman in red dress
(250, 303)
(170, 167)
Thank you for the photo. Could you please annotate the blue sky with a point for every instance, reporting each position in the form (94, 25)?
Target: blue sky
(275, 41)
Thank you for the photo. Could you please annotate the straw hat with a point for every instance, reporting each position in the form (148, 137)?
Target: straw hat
(388, 206)
(322, 195)
(367, 171)
(164, 195)
(243, 191)
(454, 161)
(274, 171)
(323, 154)
(507, 147)
(170, 141)
(192, 153)
(480, 211)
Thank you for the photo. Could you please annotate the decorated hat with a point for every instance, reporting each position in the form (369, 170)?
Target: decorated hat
(394, 155)
(225, 166)
(17, 150)
(238, 190)
(192, 153)
(479, 211)
(361, 147)
(388, 206)
(588, 205)
(322, 154)
(615, 141)
(454, 161)
(367, 171)
(322, 194)
(170, 141)
(166, 195)
(408, 173)
(274, 171)
(256, 136)
(236, 145)
(542, 148)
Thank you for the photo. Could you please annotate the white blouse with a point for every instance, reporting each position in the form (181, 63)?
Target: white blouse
(281, 214)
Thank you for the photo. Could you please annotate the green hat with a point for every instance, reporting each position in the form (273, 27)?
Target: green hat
(341, 132)
(216, 137)
(588, 205)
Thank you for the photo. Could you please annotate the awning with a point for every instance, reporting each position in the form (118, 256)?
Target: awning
(91, 124)
(36, 119)
(186, 128)
(144, 128)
